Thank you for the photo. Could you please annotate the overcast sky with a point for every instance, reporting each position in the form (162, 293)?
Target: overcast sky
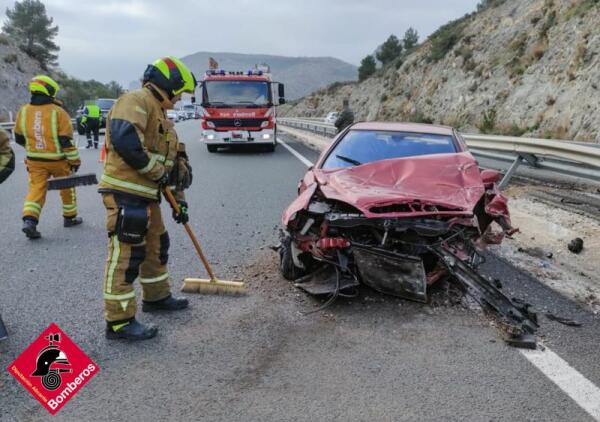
(115, 39)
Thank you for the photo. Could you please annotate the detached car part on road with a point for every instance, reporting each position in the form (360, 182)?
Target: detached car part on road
(399, 207)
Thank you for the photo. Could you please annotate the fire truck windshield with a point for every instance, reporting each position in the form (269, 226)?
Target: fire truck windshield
(236, 93)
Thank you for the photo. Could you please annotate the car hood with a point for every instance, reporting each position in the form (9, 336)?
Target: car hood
(444, 184)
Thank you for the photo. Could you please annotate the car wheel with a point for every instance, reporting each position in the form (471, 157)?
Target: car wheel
(288, 269)
(212, 148)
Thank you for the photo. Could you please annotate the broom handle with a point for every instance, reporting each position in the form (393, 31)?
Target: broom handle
(169, 195)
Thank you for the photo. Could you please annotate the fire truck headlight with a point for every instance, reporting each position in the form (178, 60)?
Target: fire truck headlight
(210, 137)
(266, 136)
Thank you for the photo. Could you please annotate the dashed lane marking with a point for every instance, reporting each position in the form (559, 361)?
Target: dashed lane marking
(296, 154)
(581, 390)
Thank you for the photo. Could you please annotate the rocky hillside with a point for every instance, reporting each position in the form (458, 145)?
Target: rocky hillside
(16, 69)
(302, 75)
(518, 67)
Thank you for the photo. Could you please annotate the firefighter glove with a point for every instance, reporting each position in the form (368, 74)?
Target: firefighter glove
(182, 217)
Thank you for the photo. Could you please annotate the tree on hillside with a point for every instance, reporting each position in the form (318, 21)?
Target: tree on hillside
(367, 68)
(389, 50)
(411, 39)
(29, 25)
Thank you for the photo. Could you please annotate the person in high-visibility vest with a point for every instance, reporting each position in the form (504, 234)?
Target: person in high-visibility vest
(44, 129)
(90, 119)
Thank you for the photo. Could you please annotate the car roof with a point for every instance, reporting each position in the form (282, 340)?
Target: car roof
(404, 127)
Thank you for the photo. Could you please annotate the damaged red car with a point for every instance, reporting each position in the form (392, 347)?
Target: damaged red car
(394, 206)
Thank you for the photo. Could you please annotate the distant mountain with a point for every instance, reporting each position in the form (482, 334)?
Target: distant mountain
(301, 75)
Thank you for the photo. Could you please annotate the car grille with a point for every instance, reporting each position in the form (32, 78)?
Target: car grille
(242, 123)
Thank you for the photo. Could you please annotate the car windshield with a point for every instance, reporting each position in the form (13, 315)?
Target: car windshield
(105, 104)
(362, 146)
(189, 107)
(236, 93)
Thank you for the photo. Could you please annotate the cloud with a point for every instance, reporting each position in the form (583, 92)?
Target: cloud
(112, 39)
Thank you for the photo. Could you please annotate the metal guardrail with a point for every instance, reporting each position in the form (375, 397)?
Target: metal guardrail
(563, 157)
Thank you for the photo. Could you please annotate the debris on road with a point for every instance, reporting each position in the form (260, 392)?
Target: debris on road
(576, 245)
(562, 320)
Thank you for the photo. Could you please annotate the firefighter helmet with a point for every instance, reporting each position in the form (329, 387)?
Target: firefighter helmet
(171, 75)
(43, 84)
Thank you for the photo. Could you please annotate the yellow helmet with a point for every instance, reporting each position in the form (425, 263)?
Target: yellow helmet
(43, 84)
(170, 74)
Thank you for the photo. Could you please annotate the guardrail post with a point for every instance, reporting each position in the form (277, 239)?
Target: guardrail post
(530, 158)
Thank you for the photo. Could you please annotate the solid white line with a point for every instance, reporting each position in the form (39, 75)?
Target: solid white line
(575, 385)
(296, 154)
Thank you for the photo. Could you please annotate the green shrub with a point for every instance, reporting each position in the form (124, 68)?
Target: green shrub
(11, 58)
(4, 39)
(445, 38)
(580, 9)
(488, 121)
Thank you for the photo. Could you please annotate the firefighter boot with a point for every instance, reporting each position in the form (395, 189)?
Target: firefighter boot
(130, 330)
(169, 303)
(72, 221)
(30, 229)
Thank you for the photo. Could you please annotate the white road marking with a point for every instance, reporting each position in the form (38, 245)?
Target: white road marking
(575, 385)
(296, 154)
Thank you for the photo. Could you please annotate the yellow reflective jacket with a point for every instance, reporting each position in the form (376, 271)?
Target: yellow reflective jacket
(45, 130)
(91, 111)
(7, 156)
(141, 144)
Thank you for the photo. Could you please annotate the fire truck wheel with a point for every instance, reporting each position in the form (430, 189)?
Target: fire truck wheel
(212, 148)
(270, 148)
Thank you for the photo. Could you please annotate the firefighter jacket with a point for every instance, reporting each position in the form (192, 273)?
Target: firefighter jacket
(7, 156)
(141, 144)
(45, 130)
(91, 111)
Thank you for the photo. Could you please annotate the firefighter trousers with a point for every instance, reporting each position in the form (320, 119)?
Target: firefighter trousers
(145, 261)
(39, 173)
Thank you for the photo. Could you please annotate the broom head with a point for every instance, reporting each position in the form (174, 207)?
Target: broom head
(213, 287)
(72, 181)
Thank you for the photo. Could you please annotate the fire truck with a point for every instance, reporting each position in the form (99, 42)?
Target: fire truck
(239, 108)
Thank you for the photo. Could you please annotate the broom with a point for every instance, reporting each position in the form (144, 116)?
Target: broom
(66, 182)
(201, 285)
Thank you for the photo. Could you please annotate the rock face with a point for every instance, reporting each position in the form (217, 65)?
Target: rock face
(16, 69)
(302, 75)
(520, 67)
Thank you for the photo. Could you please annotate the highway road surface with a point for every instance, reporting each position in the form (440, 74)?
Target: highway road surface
(259, 358)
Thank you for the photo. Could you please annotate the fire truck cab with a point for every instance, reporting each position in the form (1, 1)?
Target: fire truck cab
(239, 108)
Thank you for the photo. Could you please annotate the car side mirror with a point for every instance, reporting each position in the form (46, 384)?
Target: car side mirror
(490, 176)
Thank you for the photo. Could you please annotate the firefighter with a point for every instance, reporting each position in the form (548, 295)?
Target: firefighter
(90, 119)
(44, 129)
(143, 155)
(346, 117)
(7, 156)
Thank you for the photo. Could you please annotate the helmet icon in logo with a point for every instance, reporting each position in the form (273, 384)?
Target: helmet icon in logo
(50, 363)
(237, 123)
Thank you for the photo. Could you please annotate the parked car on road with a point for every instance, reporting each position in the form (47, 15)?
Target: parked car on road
(332, 117)
(173, 115)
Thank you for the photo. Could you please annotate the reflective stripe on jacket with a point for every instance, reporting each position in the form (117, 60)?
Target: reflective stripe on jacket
(46, 133)
(141, 144)
(7, 156)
